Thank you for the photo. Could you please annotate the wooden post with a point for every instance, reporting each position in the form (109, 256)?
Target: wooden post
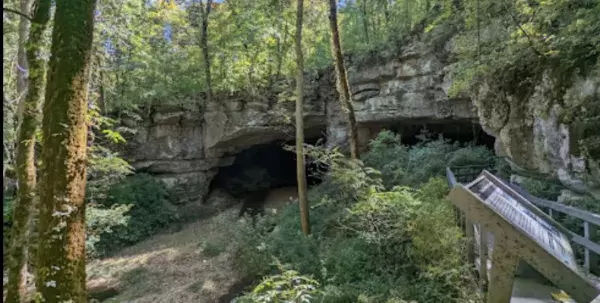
(502, 274)
(590, 258)
(470, 241)
(483, 258)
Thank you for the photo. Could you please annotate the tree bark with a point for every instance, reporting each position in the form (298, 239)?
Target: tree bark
(300, 167)
(342, 79)
(205, 11)
(365, 22)
(25, 157)
(60, 274)
(21, 67)
(21, 52)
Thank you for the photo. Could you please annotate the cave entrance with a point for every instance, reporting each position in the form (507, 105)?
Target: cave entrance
(463, 131)
(263, 176)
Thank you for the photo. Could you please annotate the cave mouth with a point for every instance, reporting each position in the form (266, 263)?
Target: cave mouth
(260, 170)
(411, 131)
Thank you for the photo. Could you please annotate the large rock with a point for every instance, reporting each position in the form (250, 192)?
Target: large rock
(548, 131)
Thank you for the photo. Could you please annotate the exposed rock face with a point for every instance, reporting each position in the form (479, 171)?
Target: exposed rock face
(412, 88)
(185, 147)
(557, 136)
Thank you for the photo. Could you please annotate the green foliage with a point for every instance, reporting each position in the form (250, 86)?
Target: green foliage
(368, 243)
(100, 221)
(343, 181)
(149, 53)
(7, 208)
(289, 286)
(414, 165)
(149, 211)
(515, 43)
(547, 189)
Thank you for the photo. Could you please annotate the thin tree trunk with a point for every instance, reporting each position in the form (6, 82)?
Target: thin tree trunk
(21, 67)
(280, 43)
(25, 160)
(300, 167)
(21, 52)
(342, 79)
(365, 22)
(205, 11)
(407, 15)
(478, 34)
(60, 275)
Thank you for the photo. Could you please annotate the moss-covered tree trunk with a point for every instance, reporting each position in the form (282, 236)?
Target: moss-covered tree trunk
(60, 275)
(25, 157)
(342, 79)
(25, 7)
(300, 167)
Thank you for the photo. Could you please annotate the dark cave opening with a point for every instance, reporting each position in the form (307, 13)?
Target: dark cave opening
(258, 170)
(410, 131)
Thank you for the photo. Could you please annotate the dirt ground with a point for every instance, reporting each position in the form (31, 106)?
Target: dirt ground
(194, 264)
(170, 267)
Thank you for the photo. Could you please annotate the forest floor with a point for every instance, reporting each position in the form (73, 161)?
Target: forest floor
(194, 264)
(172, 267)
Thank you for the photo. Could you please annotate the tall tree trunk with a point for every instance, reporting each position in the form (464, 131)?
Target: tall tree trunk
(21, 68)
(300, 167)
(204, 44)
(342, 79)
(60, 274)
(25, 160)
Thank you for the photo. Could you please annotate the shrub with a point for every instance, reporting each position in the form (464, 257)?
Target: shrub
(289, 286)
(546, 189)
(371, 243)
(149, 213)
(100, 221)
(368, 244)
(345, 181)
(414, 165)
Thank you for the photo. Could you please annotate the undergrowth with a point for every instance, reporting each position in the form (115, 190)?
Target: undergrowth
(382, 231)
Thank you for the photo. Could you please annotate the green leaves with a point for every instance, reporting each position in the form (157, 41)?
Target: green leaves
(517, 41)
(289, 286)
(113, 136)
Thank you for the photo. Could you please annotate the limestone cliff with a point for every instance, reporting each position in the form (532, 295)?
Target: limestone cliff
(550, 132)
(186, 147)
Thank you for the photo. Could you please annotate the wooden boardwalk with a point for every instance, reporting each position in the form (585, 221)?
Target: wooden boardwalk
(509, 231)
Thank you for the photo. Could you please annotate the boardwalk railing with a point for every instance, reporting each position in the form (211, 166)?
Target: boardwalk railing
(591, 221)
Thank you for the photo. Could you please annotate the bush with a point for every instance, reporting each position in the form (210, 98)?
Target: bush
(100, 222)
(368, 244)
(289, 286)
(149, 212)
(541, 188)
(415, 165)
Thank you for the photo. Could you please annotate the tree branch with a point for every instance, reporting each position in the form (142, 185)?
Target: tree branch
(518, 24)
(10, 10)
